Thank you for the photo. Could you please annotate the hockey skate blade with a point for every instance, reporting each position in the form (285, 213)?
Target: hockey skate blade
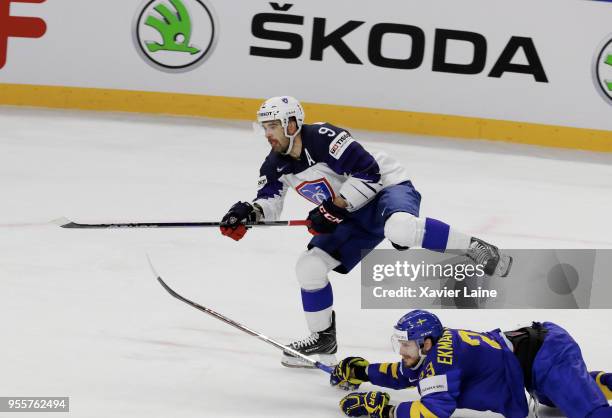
(297, 363)
(504, 265)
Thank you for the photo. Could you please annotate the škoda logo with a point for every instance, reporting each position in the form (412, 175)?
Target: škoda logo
(174, 35)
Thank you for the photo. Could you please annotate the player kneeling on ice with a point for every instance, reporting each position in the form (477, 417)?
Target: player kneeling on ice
(361, 199)
(488, 371)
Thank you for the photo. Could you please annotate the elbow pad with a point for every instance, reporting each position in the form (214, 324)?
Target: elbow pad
(358, 192)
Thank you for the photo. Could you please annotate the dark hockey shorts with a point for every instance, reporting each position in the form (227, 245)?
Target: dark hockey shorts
(363, 230)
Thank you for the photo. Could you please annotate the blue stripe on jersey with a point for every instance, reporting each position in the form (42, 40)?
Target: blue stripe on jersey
(392, 375)
(436, 235)
(317, 300)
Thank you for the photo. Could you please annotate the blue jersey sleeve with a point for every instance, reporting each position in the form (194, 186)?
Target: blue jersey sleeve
(392, 375)
(348, 157)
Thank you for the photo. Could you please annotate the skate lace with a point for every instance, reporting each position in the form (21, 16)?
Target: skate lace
(306, 341)
(480, 254)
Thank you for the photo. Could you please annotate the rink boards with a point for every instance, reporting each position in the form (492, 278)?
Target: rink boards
(469, 70)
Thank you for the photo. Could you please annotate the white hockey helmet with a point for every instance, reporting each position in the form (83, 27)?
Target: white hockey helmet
(282, 108)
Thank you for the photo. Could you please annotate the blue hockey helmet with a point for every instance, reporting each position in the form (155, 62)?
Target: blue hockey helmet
(416, 326)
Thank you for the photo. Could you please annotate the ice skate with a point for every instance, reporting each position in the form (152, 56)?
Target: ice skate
(495, 263)
(322, 343)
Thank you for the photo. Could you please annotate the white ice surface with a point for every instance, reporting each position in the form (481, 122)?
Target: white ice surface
(82, 316)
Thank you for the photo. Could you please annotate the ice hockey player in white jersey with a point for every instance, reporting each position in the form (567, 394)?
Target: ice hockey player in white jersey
(361, 199)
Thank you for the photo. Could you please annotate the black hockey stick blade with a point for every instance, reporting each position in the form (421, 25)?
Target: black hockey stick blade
(67, 223)
(237, 325)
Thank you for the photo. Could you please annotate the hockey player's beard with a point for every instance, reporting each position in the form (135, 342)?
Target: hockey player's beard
(410, 361)
(411, 354)
(274, 144)
(277, 147)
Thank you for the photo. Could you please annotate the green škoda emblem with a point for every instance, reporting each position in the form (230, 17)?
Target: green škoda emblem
(175, 29)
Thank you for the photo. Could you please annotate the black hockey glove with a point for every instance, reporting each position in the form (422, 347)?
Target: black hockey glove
(233, 221)
(325, 218)
(350, 373)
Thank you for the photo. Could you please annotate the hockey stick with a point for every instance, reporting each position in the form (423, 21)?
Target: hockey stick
(241, 327)
(67, 223)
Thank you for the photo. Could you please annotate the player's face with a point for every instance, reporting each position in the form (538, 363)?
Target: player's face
(410, 352)
(276, 136)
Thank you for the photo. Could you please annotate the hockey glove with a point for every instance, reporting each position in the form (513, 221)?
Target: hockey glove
(374, 404)
(233, 222)
(350, 373)
(325, 218)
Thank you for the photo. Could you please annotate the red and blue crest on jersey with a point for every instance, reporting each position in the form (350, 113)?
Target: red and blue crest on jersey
(316, 190)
